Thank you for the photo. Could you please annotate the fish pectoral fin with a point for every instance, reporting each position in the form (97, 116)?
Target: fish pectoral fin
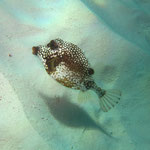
(51, 63)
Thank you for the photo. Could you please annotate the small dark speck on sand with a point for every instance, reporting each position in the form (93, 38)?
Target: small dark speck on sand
(10, 55)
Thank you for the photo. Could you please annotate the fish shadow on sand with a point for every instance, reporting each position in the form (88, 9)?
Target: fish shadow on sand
(70, 114)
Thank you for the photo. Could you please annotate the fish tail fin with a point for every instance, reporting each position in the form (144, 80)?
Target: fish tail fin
(108, 98)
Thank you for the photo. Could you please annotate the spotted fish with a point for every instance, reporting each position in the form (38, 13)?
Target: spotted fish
(67, 64)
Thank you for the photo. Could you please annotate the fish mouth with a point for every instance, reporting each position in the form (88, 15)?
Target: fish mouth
(35, 50)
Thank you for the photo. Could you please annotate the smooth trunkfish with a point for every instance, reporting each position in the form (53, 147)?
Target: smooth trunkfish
(66, 63)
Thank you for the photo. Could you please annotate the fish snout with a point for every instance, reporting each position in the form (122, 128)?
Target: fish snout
(35, 50)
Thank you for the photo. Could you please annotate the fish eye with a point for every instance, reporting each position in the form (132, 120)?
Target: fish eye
(52, 44)
(90, 71)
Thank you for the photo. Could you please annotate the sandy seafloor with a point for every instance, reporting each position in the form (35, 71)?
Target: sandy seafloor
(37, 113)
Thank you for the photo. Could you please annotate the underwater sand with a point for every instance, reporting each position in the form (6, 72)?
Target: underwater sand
(38, 113)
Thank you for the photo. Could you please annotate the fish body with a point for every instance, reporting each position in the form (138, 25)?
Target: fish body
(66, 63)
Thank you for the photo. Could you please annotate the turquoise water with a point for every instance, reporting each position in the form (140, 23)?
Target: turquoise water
(38, 113)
